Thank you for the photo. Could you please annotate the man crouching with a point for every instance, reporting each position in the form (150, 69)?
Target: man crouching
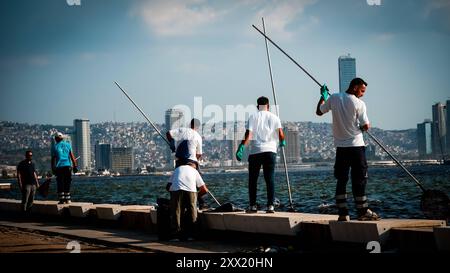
(183, 199)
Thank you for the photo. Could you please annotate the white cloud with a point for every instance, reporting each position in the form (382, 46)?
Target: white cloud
(176, 17)
(384, 37)
(433, 5)
(279, 14)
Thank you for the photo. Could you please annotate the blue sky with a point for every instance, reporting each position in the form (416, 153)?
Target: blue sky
(58, 62)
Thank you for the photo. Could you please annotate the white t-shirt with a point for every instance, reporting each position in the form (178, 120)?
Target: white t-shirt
(194, 140)
(349, 114)
(264, 127)
(186, 178)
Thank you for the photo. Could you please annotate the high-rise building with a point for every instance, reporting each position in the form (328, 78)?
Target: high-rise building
(103, 156)
(439, 130)
(174, 119)
(82, 143)
(292, 149)
(122, 160)
(447, 125)
(347, 71)
(371, 152)
(424, 143)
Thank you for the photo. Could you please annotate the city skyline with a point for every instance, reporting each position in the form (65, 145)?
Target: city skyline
(58, 61)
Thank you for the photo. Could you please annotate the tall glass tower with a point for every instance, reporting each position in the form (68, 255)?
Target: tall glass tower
(82, 143)
(347, 71)
(174, 120)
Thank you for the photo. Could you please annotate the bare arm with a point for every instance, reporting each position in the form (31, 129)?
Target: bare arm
(202, 191)
(19, 180)
(36, 178)
(247, 138)
(321, 101)
(281, 135)
(74, 160)
(169, 136)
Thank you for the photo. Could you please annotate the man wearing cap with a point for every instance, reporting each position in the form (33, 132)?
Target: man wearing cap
(63, 162)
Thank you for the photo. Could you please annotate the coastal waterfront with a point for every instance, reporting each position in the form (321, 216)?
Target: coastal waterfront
(390, 191)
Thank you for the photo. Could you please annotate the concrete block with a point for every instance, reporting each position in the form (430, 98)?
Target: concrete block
(442, 238)
(366, 231)
(212, 220)
(5, 186)
(137, 207)
(280, 223)
(137, 219)
(10, 205)
(48, 208)
(80, 210)
(154, 216)
(108, 211)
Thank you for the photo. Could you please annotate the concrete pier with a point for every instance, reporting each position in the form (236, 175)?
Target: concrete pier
(318, 229)
(366, 231)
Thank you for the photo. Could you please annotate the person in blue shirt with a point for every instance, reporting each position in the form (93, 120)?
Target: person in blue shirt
(63, 163)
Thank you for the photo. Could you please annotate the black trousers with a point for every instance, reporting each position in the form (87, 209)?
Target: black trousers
(267, 161)
(64, 180)
(351, 159)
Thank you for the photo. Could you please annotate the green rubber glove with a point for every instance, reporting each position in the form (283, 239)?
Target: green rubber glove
(324, 92)
(240, 152)
(283, 143)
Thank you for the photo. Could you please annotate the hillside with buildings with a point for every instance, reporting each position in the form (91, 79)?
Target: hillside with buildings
(129, 146)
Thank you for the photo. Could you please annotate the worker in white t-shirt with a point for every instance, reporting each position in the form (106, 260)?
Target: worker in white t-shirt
(349, 121)
(263, 133)
(183, 199)
(186, 143)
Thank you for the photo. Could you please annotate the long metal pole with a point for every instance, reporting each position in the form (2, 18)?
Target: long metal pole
(210, 193)
(376, 140)
(153, 125)
(396, 161)
(283, 154)
(287, 55)
(142, 112)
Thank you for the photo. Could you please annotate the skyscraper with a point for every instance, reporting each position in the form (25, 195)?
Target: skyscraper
(439, 131)
(447, 125)
(292, 143)
(82, 143)
(103, 156)
(174, 119)
(122, 160)
(347, 71)
(424, 143)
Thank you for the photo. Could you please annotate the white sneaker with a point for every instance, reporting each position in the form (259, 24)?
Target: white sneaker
(270, 209)
(369, 216)
(252, 209)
